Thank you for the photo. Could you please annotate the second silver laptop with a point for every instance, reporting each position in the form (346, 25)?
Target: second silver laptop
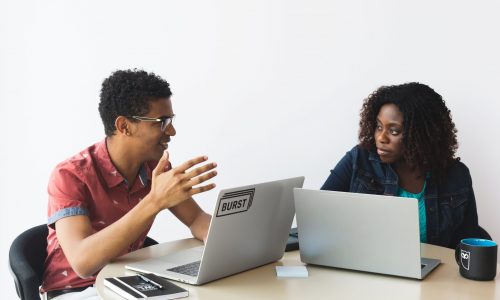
(363, 232)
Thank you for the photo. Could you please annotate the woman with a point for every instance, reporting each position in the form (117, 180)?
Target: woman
(407, 145)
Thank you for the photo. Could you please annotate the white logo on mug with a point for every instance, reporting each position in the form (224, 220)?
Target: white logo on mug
(465, 258)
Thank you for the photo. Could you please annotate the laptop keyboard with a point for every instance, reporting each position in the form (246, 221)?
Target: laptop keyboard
(190, 269)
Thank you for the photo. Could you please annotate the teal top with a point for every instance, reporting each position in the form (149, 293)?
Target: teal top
(421, 209)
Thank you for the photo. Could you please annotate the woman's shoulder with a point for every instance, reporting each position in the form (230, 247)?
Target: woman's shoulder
(362, 154)
(357, 150)
(458, 167)
(458, 173)
(360, 157)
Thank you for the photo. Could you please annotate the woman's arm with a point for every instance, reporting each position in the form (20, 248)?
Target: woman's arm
(340, 176)
(470, 226)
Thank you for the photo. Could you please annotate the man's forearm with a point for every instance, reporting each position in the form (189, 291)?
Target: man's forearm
(199, 227)
(94, 251)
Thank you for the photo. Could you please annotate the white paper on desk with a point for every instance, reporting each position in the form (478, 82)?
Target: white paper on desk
(291, 271)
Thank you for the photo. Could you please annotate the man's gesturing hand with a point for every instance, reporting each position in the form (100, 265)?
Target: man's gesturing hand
(170, 187)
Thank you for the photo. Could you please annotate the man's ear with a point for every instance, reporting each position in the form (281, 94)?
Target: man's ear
(122, 125)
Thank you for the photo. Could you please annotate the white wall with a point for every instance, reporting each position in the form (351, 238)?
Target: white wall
(268, 89)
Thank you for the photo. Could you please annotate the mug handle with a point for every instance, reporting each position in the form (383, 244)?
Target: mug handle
(457, 255)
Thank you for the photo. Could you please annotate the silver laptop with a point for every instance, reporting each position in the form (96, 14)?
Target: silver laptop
(249, 228)
(372, 233)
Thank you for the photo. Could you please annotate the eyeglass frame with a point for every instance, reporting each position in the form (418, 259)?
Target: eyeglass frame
(165, 121)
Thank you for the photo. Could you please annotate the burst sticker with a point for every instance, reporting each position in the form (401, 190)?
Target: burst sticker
(235, 202)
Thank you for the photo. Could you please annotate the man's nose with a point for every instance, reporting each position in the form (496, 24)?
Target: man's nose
(170, 131)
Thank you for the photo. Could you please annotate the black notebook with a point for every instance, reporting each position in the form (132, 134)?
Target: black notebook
(144, 286)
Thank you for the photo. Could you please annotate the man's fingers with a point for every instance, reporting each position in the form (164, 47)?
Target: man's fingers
(162, 164)
(199, 170)
(200, 179)
(201, 189)
(188, 164)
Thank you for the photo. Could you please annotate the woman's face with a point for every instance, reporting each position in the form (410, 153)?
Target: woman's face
(389, 133)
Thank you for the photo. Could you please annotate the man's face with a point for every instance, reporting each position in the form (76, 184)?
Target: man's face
(149, 140)
(389, 134)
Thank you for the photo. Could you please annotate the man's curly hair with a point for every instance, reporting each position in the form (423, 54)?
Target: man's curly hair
(127, 93)
(429, 134)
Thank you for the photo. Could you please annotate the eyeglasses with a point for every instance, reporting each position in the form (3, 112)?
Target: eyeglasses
(165, 121)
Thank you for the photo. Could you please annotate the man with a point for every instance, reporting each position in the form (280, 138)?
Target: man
(103, 201)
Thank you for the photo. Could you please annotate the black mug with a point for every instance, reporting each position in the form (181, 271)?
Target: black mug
(477, 259)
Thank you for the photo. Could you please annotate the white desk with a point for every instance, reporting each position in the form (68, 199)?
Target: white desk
(323, 283)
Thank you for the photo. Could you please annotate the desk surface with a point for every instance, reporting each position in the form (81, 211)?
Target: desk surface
(261, 283)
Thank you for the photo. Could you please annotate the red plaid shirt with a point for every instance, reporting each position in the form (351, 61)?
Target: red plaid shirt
(88, 184)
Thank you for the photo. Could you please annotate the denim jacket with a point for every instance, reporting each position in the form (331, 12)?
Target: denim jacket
(450, 207)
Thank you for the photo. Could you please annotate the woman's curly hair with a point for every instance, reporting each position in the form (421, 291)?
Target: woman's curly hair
(429, 134)
(127, 93)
